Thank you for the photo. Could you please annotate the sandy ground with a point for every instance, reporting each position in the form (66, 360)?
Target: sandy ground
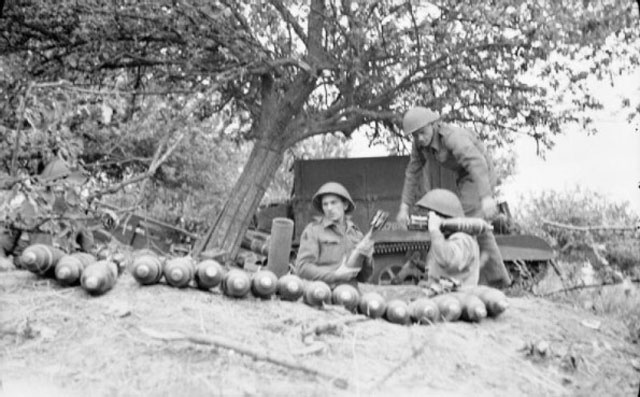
(62, 342)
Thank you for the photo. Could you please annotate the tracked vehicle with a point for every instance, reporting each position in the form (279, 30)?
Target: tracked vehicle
(376, 183)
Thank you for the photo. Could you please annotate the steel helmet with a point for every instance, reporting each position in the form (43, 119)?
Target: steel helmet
(336, 189)
(416, 118)
(442, 201)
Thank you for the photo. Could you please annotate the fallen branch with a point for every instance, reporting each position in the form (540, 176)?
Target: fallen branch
(332, 325)
(589, 228)
(261, 355)
(585, 286)
(404, 362)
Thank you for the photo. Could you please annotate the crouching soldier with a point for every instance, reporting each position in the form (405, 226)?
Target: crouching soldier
(454, 255)
(332, 248)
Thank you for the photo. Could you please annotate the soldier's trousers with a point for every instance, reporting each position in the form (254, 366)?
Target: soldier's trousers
(492, 269)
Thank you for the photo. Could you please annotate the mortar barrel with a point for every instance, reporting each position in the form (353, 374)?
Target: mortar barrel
(280, 246)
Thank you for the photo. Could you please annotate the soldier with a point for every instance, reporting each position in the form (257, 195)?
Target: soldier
(332, 249)
(454, 255)
(457, 149)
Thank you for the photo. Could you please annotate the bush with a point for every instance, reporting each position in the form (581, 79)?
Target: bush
(582, 207)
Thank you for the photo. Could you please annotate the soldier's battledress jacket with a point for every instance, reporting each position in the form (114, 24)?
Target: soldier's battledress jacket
(459, 150)
(323, 247)
(457, 256)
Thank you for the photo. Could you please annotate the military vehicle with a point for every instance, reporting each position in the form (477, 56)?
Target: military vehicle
(376, 183)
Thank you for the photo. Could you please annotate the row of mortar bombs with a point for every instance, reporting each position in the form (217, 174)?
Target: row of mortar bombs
(472, 304)
(95, 276)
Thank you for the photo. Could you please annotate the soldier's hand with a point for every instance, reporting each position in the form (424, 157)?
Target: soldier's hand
(403, 216)
(434, 222)
(346, 273)
(489, 207)
(365, 247)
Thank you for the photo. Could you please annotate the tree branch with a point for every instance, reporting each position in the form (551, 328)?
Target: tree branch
(290, 19)
(155, 164)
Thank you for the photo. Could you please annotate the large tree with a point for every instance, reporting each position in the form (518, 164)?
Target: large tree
(285, 70)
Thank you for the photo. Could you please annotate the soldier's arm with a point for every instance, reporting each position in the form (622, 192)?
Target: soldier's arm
(472, 160)
(454, 253)
(413, 175)
(307, 258)
(366, 271)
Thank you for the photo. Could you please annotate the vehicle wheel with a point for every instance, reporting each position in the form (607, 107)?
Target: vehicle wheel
(387, 268)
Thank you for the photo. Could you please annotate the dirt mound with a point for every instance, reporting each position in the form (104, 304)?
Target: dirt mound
(57, 341)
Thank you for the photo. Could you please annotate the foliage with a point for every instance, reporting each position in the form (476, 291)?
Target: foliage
(583, 208)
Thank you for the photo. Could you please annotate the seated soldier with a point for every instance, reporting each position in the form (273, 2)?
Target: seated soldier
(332, 248)
(454, 255)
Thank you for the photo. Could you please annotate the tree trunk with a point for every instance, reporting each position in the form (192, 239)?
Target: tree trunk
(232, 222)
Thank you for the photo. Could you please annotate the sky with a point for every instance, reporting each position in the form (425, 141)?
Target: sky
(607, 162)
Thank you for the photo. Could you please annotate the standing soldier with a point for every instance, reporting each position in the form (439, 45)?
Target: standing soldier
(332, 248)
(459, 150)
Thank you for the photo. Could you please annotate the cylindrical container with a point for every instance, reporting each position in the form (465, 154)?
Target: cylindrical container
(290, 287)
(146, 267)
(473, 310)
(264, 284)
(99, 277)
(70, 267)
(372, 304)
(317, 294)
(280, 246)
(494, 300)
(236, 283)
(472, 226)
(178, 272)
(209, 274)
(397, 312)
(346, 295)
(448, 306)
(41, 259)
(424, 311)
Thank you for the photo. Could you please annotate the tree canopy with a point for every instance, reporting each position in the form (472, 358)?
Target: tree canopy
(277, 72)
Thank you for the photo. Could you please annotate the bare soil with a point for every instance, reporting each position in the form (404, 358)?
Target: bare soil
(61, 341)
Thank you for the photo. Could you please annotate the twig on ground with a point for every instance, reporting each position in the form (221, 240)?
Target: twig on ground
(253, 352)
(416, 353)
(584, 286)
(331, 325)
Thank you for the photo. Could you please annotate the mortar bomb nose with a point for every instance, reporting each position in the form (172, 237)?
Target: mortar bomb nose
(293, 286)
(266, 282)
(63, 273)
(211, 272)
(239, 283)
(143, 271)
(177, 274)
(92, 283)
(29, 257)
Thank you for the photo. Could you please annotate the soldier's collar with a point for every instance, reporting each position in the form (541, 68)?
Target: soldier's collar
(326, 222)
